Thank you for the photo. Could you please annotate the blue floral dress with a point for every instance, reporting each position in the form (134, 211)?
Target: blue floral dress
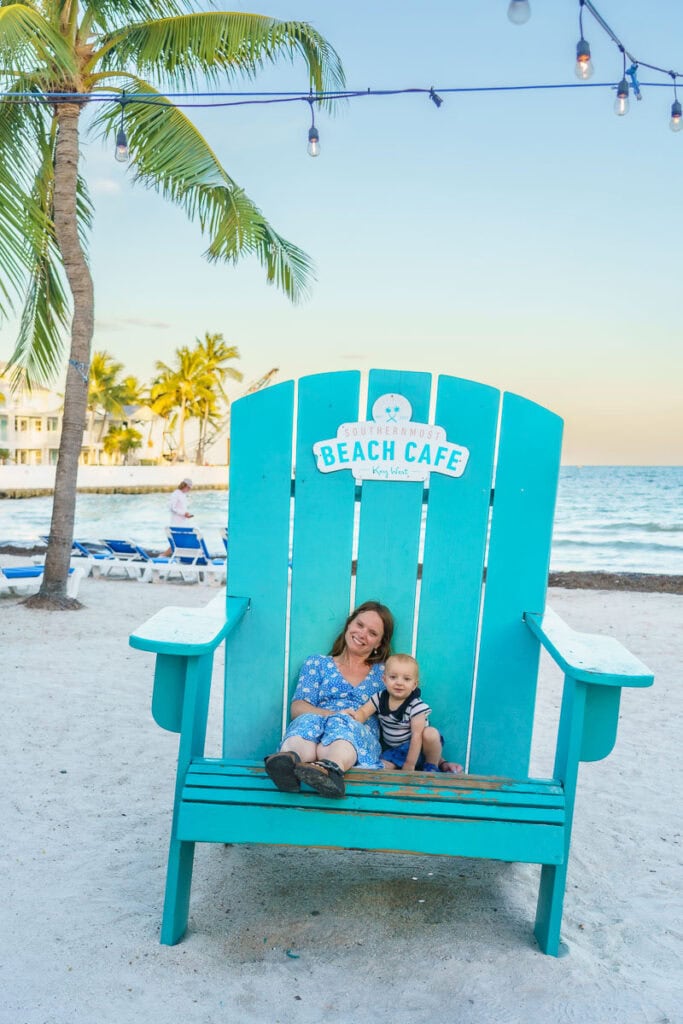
(322, 684)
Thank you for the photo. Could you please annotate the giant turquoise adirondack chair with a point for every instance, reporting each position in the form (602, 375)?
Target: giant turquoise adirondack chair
(426, 500)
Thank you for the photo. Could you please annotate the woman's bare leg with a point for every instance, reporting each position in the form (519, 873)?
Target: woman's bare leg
(306, 749)
(340, 752)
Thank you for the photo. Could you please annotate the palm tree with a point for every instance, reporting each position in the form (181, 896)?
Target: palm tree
(105, 391)
(122, 441)
(215, 354)
(55, 55)
(182, 387)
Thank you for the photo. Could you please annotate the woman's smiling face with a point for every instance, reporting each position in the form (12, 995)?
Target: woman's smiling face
(364, 634)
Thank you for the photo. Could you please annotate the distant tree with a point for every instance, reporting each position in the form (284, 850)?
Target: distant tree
(105, 392)
(122, 441)
(215, 354)
(180, 387)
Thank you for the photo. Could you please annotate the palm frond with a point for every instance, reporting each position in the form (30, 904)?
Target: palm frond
(178, 50)
(30, 261)
(27, 39)
(107, 14)
(22, 127)
(40, 343)
(171, 156)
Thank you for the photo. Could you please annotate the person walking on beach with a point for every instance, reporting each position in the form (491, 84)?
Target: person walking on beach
(177, 507)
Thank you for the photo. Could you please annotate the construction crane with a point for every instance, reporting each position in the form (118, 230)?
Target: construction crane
(256, 385)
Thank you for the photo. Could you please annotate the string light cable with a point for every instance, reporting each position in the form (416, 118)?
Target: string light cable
(583, 69)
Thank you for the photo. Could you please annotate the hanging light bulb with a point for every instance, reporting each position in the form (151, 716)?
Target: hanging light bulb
(621, 101)
(121, 153)
(313, 141)
(519, 11)
(676, 122)
(584, 66)
(313, 136)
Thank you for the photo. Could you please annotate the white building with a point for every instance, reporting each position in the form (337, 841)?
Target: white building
(31, 428)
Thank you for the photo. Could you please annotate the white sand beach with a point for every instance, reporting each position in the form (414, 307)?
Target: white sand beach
(289, 935)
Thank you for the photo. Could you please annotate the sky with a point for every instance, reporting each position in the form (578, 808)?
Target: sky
(526, 239)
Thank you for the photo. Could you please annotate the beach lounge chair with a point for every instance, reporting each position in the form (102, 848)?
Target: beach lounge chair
(445, 516)
(26, 579)
(105, 562)
(190, 556)
(132, 552)
(95, 557)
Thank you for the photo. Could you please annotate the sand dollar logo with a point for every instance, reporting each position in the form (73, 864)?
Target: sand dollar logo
(391, 409)
(391, 446)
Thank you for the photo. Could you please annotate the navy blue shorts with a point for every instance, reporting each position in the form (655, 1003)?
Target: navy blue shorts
(398, 755)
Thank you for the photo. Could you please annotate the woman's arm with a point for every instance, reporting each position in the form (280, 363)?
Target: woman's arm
(303, 707)
(417, 726)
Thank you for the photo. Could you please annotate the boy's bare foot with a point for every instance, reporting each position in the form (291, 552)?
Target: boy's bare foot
(452, 767)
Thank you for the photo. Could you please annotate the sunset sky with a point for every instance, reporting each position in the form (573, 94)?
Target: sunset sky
(528, 239)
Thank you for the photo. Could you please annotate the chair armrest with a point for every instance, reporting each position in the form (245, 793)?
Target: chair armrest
(595, 668)
(586, 657)
(190, 631)
(184, 640)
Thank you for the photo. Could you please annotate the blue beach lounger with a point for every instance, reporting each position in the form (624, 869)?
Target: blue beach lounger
(191, 555)
(130, 551)
(434, 496)
(26, 579)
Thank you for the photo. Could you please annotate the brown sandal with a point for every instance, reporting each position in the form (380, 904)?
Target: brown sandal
(280, 768)
(325, 777)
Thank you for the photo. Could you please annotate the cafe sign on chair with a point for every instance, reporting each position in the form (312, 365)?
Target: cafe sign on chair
(391, 446)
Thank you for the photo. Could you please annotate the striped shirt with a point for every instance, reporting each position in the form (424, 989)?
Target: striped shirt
(395, 725)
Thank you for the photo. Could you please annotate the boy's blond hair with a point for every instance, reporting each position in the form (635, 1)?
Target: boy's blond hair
(405, 658)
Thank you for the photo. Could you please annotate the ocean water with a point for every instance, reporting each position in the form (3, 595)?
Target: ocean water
(609, 518)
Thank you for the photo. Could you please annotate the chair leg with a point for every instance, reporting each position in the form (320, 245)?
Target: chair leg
(177, 899)
(549, 907)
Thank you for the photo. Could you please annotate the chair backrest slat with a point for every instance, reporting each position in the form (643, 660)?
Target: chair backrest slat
(389, 529)
(258, 526)
(453, 564)
(516, 580)
(323, 525)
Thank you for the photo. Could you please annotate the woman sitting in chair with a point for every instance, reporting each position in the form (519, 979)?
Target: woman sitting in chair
(321, 742)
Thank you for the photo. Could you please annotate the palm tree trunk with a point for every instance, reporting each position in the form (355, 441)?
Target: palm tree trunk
(181, 433)
(53, 590)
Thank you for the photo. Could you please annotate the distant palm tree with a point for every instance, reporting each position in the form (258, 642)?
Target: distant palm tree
(122, 441)
(57, 53)
(106, 393)
(183, 387)
(215, 354)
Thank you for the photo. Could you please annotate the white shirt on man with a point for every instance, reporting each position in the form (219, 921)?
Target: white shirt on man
(177, 506)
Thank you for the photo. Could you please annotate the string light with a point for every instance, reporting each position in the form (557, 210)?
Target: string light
(584, 65)
(519, 11)
(121, 153)
(675, 124)
(313, 135)
(621, 103)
